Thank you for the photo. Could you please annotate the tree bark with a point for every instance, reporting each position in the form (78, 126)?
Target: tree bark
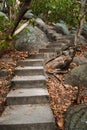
(25, 6)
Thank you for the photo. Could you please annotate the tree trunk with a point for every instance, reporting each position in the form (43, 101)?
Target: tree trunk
(25, 6)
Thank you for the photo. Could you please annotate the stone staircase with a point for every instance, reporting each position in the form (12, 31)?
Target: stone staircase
(28, 106)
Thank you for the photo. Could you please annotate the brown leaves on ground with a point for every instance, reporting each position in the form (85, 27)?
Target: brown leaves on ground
(8, 62)
(63, 96)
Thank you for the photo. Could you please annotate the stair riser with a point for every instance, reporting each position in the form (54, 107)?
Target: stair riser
(38, 56)
(29, 84)
(62, 40)
(27, 100)
(50, 50)
(43, 126)
(58, 45)
(29, 72)
(53, 46)
(30, 63)
(47, 50)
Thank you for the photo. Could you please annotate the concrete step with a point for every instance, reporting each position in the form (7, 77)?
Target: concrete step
(49, 50)
(36, 56)
(29, 81)
(63, 40)
(55, 45)
(30, 62)
(29, 71)
(27, 117)
(27, 96)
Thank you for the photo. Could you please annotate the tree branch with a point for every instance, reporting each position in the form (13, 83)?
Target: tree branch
(25, 6)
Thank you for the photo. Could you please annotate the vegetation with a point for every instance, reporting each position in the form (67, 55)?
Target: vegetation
(56, 10)
(14, 10)
(51, 11)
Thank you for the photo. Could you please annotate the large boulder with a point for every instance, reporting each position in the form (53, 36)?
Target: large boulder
(77, 77)
(76, 118)
(61, 28)
(31, 39)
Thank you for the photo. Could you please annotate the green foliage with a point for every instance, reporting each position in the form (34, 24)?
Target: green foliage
(3, 23)
(7, 23)
(3, 44)
(56, 10)
(11, 2)
(32, 21)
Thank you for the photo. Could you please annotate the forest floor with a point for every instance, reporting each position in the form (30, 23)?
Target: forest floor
(61, 96)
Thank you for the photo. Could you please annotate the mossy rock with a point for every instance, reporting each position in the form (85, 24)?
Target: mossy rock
(77, 77)
(76, 118)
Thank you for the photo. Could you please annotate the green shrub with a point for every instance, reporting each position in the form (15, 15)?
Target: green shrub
(56, 10)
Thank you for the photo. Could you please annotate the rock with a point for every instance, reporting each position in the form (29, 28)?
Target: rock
(81, 41)
(40, 21)
(77, 77)
(28, 15)
(84, 30)
(73, 30)
(76, 118)
(31, 39)
(80, 60)
(61, 28)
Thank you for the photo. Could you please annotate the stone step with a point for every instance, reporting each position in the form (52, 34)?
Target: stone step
(63, 40)
(30, 62)
(49, 50)
(55, 45)
(29, 71)
(27, 96)
(27, 117)
(36, 56)
(29, 81)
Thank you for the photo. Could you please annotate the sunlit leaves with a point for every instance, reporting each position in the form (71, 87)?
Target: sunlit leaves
(56, 10)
